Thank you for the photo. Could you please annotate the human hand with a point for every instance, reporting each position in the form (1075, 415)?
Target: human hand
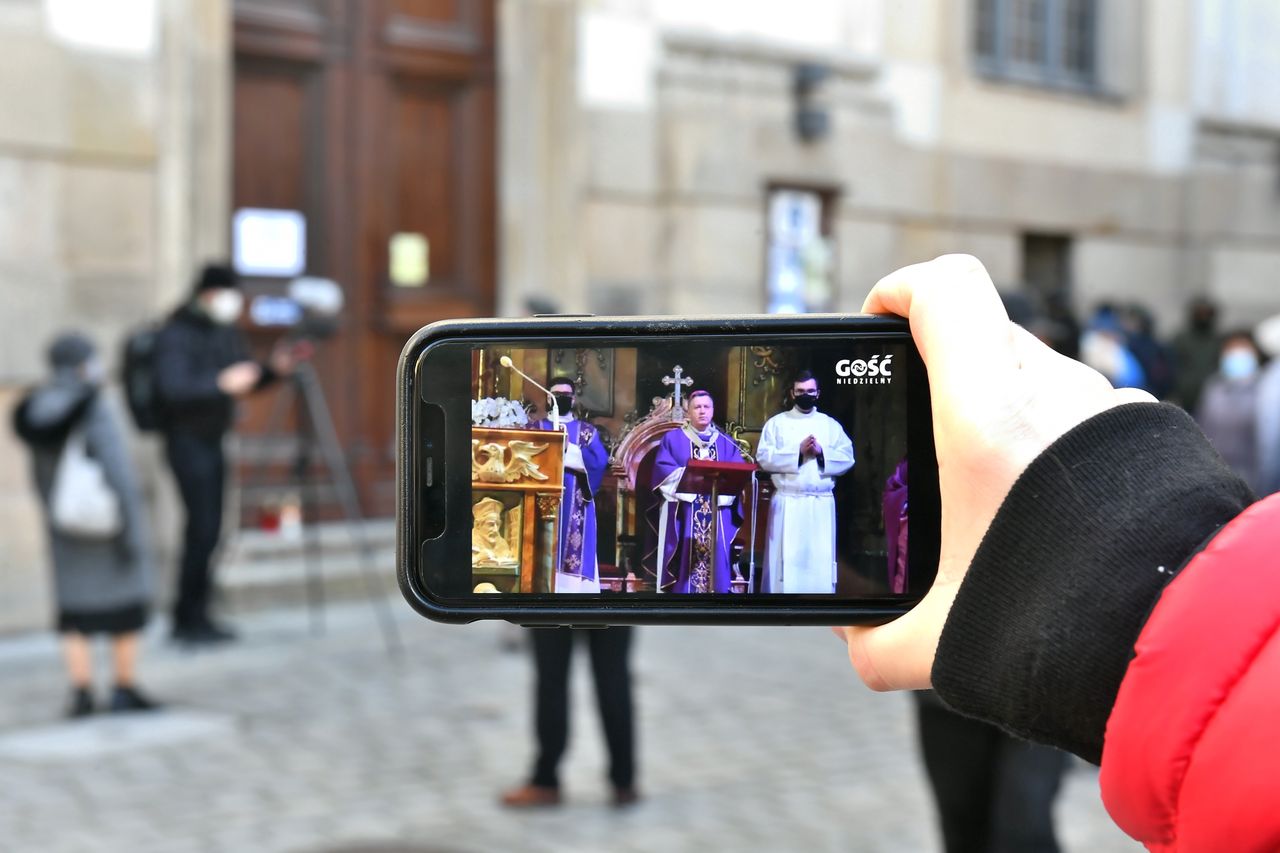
(1000, 397)
(240, 378)
(806, 446)
(573, 458)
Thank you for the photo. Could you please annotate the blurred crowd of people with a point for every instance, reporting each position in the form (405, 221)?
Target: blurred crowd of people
(1228, 379)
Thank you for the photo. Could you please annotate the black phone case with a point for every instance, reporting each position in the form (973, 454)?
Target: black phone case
(412, 552)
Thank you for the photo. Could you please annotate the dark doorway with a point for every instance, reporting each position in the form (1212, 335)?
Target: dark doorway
(1046, 264)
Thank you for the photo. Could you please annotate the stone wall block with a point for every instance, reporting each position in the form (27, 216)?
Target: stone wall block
(33, 89)
(112, 106)
(1246, 282)
(620, 147)
(29, 223)
(1235, 203)
(1030, 196)
(1117, 270)
(865, 252)
(107, 220)
(622, 242)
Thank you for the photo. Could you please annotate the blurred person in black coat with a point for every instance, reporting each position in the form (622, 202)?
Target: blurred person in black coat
(202, 364)
(1155, 358)
(610, 650)
(1195, 352)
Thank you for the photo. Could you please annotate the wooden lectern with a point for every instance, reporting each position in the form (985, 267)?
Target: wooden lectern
(714, 478)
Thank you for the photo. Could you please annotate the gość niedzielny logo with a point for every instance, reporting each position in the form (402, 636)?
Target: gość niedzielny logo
(877, 370)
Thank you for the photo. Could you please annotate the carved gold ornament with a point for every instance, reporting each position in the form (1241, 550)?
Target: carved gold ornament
(489, 546)
(765, 363)
(493, 463)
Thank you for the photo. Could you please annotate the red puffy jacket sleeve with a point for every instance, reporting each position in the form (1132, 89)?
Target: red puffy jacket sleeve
(1191, 759)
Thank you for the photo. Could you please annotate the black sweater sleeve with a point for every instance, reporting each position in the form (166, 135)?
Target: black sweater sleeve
(1043, 626)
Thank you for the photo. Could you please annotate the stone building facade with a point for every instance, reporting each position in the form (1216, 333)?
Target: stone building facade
(1150, 175)
(661, 156)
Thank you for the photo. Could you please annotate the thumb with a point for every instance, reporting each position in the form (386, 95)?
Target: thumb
(899, 654)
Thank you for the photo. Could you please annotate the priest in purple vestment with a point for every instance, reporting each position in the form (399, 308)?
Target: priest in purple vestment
(895, 527)
(694, 541)
(585, 459)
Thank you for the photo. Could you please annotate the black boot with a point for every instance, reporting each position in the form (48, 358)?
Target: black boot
(129, 698)
(81, 704)
(215, 632)
(202, 634)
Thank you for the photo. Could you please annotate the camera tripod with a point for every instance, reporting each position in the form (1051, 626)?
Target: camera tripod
(317, 438)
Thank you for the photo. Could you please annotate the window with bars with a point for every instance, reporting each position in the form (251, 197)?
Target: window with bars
(1043, 42)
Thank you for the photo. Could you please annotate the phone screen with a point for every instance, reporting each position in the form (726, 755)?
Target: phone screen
(690, 468)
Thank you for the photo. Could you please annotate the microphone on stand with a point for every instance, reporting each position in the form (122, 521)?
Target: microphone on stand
(506, 362)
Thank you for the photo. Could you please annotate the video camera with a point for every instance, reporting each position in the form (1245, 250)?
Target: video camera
(311, 309)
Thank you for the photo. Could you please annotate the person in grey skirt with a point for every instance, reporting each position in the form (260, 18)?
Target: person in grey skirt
(101, 586)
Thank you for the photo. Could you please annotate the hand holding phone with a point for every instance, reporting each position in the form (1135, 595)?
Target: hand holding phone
(1000, 397)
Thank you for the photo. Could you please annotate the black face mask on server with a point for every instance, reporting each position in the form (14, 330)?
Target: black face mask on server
(806, 402)
(564, 403)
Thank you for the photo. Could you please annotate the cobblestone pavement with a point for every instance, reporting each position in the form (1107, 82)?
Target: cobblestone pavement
(750, 739)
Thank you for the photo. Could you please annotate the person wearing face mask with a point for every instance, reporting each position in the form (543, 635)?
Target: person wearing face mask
(1267, 334)
(102, 586)
(585, 458)
(1229, 403)
(202, 365)
(805, 450)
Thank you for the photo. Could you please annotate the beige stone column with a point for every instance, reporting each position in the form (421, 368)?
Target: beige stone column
(540, 168)
(194, 165)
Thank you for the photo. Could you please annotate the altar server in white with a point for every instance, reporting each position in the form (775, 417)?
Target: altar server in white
(805, 451)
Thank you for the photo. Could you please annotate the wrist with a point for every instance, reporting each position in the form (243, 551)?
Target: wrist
(1043, 624)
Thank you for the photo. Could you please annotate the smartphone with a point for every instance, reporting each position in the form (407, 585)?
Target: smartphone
(578, 470)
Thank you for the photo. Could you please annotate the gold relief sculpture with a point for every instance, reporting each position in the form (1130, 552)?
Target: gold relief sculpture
(765, 363)
(490, 462)
(490, 545)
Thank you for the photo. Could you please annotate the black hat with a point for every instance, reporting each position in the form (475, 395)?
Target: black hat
(70, 349)
(217, 275)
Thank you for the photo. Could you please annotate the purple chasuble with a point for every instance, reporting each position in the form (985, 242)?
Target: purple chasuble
(696, 542)
(577, 548)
